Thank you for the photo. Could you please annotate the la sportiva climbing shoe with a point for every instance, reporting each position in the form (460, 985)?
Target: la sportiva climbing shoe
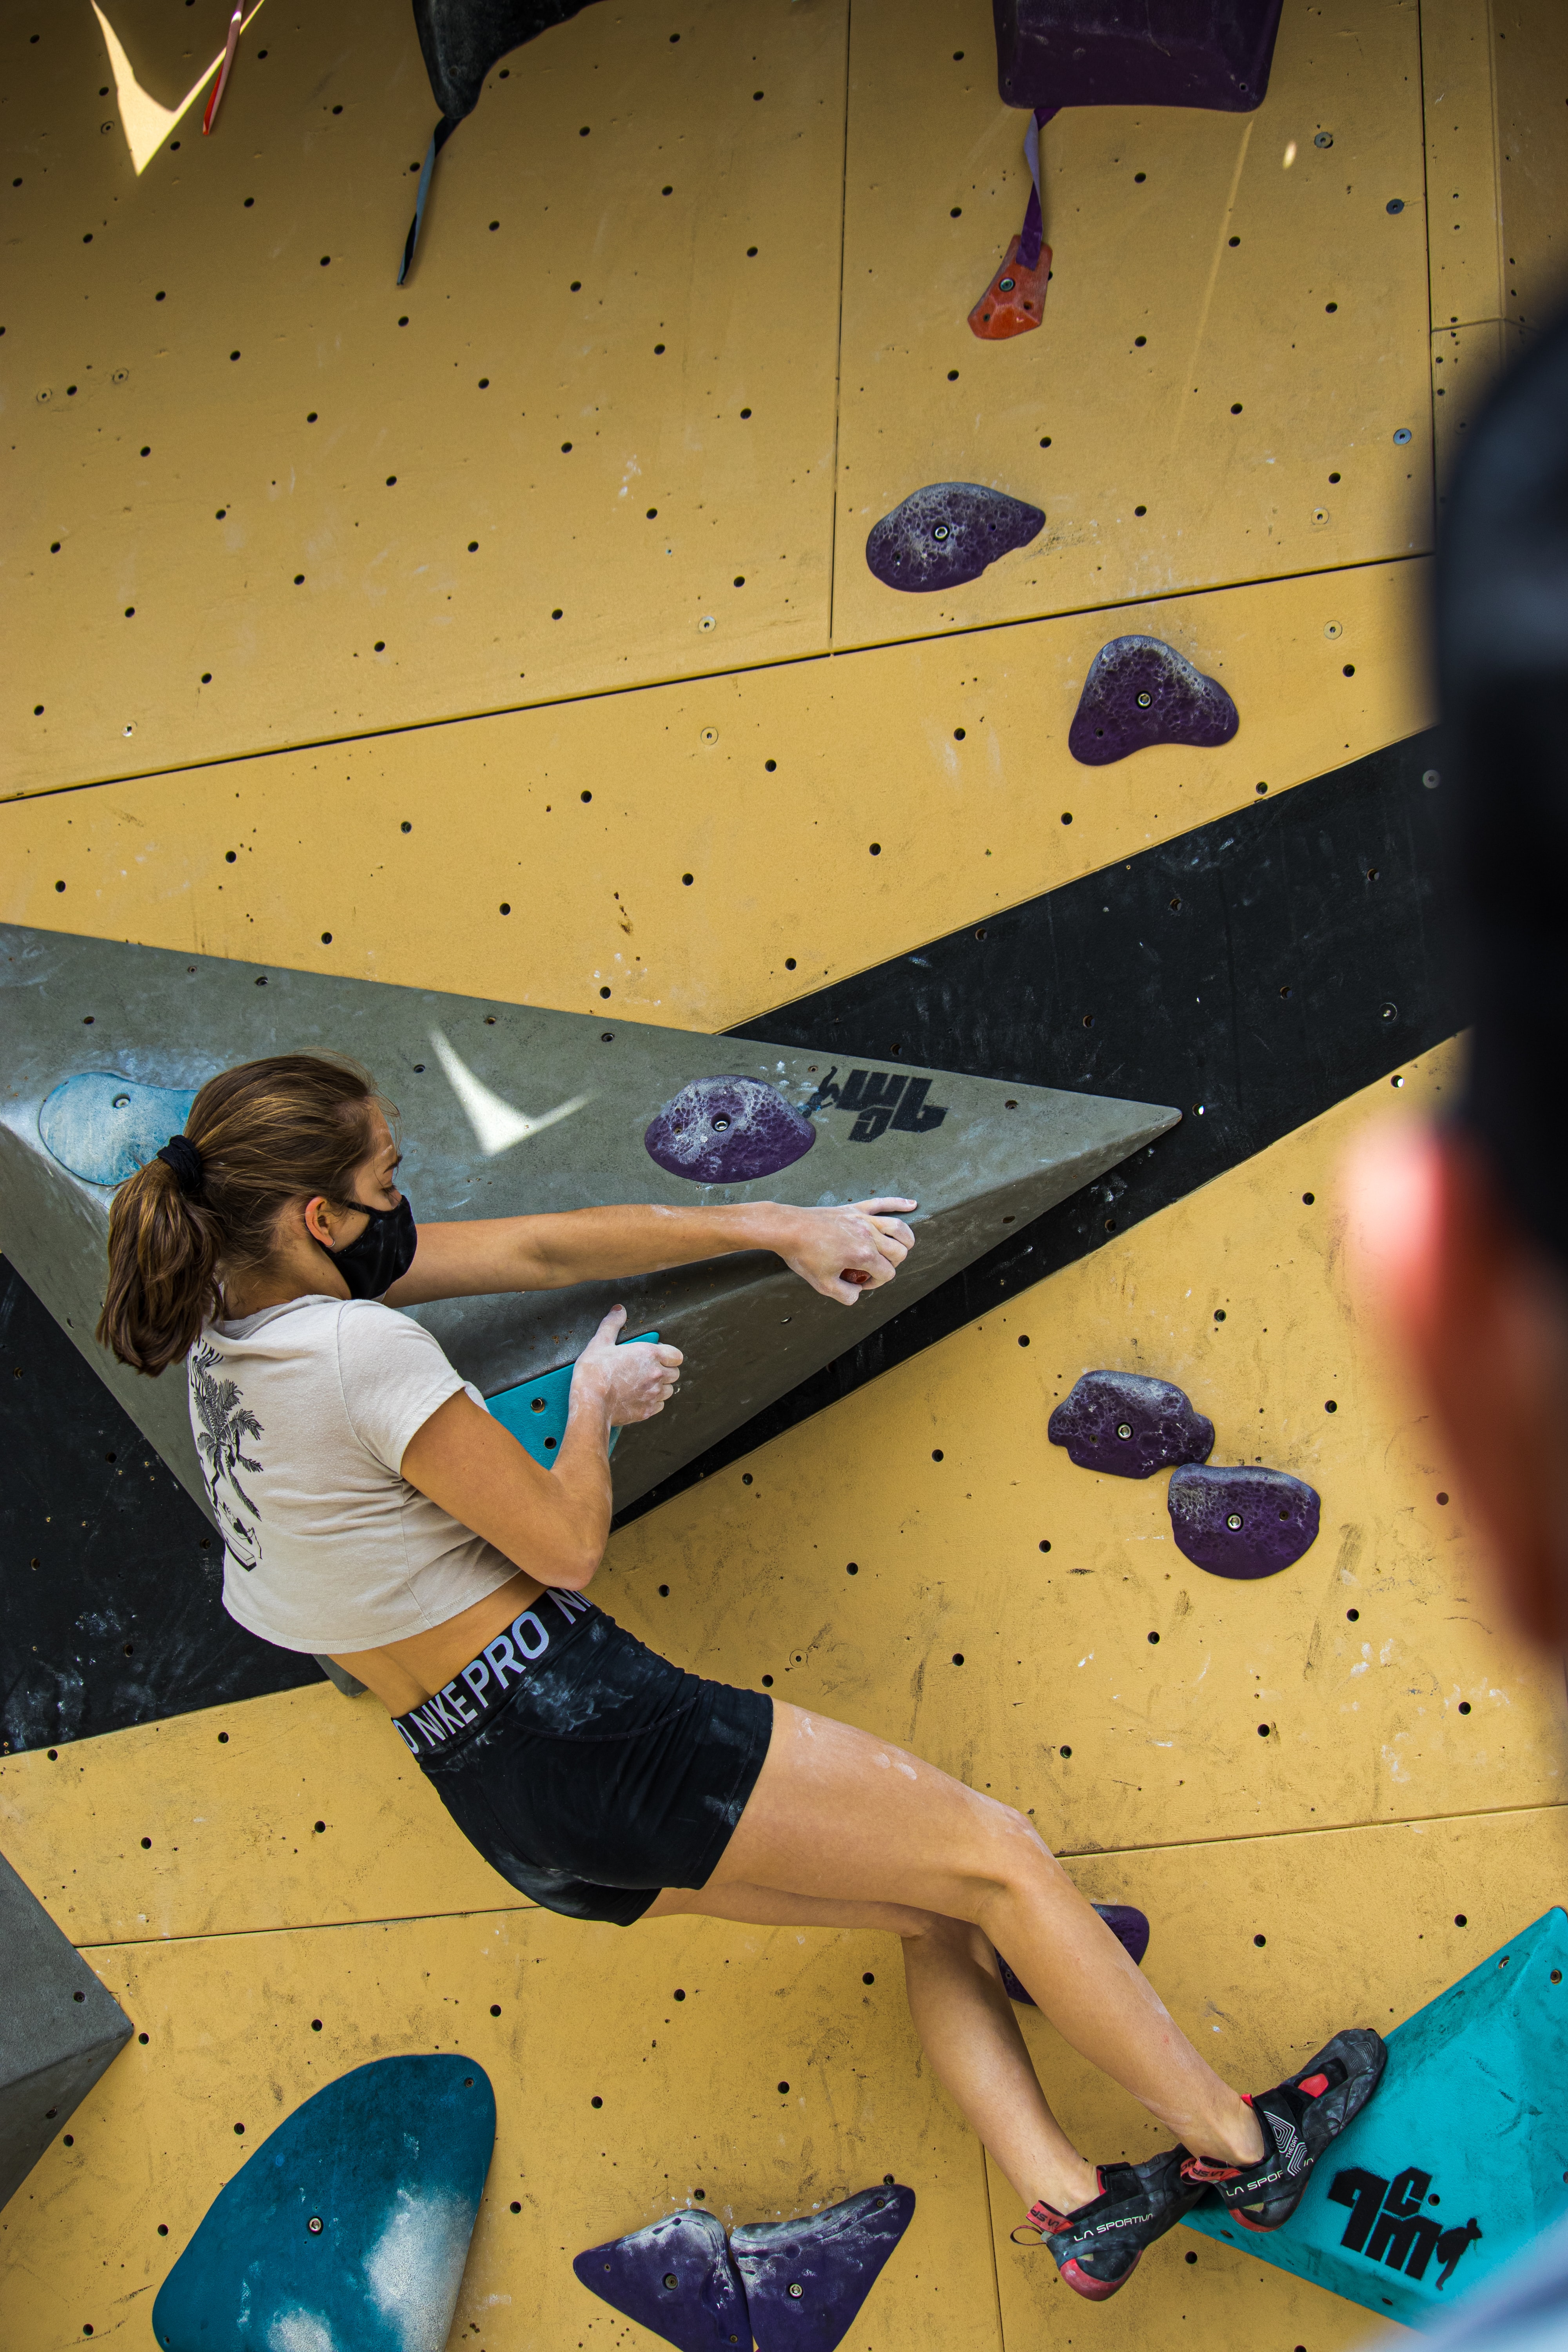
(1098, 2247)
(1298, 2118)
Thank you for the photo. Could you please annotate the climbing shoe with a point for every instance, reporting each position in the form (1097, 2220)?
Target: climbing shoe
(1098, 2247)
(1298, 2119)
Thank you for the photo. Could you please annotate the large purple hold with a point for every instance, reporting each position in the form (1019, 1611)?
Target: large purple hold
(1156, 53)
(807, 2280)
(947, 534)
(1129, 1425)
(1129, 1928)
(1140, 692)
(728, 1130)
(1241, 1522)
(675, 2277)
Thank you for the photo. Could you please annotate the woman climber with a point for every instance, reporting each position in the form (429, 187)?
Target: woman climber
(373, 1511)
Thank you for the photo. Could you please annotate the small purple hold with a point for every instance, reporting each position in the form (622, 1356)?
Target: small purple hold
(728, 1131)
(676, 2278)
(947, 534)
(1242, 1522)
(1129, 1928)
(805, 2280)
(1140, 692)
(1129, 1424)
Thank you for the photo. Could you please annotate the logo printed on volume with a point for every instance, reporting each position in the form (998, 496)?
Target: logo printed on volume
(1388, 2226)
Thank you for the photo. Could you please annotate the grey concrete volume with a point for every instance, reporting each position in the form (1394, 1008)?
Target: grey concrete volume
(59, 2027)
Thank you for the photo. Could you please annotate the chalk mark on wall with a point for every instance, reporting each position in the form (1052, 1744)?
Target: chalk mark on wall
(496, 1125)
(146, 122)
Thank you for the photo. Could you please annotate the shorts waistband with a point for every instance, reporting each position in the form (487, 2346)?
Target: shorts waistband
(451, 1716)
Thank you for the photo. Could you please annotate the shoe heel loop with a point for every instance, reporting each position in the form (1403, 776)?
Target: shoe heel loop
(1039, 2221)
(1197, 2168)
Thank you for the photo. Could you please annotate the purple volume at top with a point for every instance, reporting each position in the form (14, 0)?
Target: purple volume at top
(1212, 53)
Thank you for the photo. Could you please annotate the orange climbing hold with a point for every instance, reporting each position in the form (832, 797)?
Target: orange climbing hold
(1015, 299)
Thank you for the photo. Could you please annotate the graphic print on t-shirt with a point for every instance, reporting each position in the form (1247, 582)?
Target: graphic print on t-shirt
(226, 1421)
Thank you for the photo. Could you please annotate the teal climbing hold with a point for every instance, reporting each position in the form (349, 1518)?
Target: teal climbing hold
(535, 1411)
(103, 1127)
(348, 2229)
(1458, 2163)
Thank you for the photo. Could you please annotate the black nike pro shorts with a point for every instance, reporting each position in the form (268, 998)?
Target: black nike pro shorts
(588, 1771)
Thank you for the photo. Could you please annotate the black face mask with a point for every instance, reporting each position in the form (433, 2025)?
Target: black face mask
(382, 1252)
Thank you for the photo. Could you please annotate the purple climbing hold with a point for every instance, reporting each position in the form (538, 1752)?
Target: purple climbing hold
(807, 2280)
(1129, 1424)
(1129, 1928)
(947, 534)
(1162, 53)
(728, 1131)
(674, 2277)
(1242, 1522)
(1141, 691)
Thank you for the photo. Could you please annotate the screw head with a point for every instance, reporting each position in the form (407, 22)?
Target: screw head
(1125, 1429)
(1233, 1518)
(314, 2225)
(1144, 701)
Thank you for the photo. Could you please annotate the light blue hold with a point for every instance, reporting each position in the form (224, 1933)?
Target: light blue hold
(103, 1128)
(349, 2228)
(536, 1412)
(1459, 2160)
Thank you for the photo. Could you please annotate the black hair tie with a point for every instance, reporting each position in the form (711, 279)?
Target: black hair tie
(180, 1154)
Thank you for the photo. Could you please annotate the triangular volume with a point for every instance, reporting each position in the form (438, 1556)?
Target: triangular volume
(1459, 2162)
(350, 2225)
(505, 1110)
(807, 2280)
(674, 2278)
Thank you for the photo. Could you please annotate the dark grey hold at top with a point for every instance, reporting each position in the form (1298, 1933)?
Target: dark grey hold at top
(462, 39)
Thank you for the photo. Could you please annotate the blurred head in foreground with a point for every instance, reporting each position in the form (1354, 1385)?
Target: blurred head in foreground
(1463, 1228)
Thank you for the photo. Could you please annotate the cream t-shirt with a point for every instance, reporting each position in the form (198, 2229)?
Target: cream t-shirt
(302, 1414)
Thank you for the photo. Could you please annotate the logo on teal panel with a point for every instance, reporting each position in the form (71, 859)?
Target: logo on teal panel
(1459, 2161)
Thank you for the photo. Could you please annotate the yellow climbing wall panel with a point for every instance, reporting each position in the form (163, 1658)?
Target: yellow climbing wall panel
(301, 858)
(1409, 1770)
(579, 347)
